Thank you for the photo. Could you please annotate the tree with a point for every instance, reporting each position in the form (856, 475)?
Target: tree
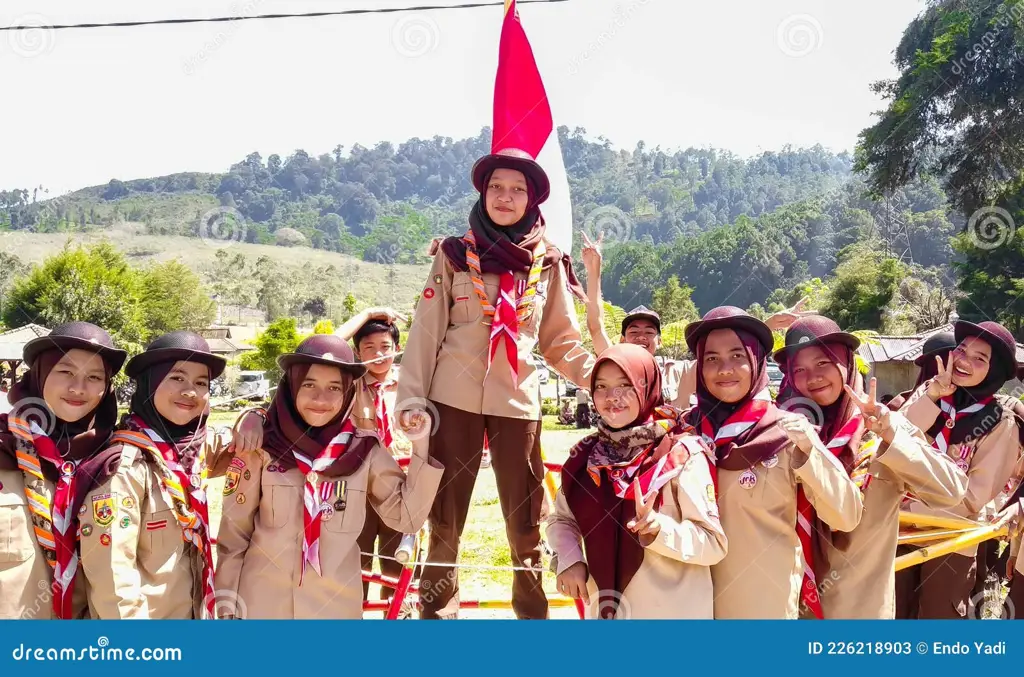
(174, 298)
(280, 337)
(955, 109)
(324, 327)
(11, 268)
(863, 287)
(92, 285)
(672, 302)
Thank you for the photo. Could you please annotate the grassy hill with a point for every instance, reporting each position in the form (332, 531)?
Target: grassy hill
(370, 282)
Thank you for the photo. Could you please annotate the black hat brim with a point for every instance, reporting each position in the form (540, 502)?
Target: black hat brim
(113, 357)
(924, 357)
(695, 330)
(290, 359)
(962, 329)
(845, 338)
(147, 359)
(630, 319)
(533, 171)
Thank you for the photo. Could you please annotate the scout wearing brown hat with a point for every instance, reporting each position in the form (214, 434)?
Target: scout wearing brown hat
(63, 413)
(886, 456)
(964, 419)
(937, 345)
(767, 460)
(492, 295)
(294, 509)
(146, 549)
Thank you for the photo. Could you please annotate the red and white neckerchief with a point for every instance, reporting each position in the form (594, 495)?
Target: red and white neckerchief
(950, 414)
(505, 326)
(314, 496)
(193, 512)
(64, 524)
(380, 411)
(805, 518)
(663, 472)
(741, 420)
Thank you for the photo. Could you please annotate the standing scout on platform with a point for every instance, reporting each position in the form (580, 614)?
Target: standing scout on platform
(51, 455)
(887, 457)
(635, 526)
(287, 542)
(642, 327)
(962, 415)
(492, 295)
(772, 468)
(146, 549)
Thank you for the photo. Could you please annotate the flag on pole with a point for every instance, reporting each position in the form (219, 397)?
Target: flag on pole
(523, 119)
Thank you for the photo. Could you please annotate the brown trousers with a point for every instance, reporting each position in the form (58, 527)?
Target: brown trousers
(389, 540)
(519, 471)
(937, 589)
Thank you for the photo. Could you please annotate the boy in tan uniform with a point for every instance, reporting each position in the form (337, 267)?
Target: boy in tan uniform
(960, 413)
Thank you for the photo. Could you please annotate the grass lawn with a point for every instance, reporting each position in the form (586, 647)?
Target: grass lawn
(483, 543)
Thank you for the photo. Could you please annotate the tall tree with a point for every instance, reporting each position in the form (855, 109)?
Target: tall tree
(174, 298)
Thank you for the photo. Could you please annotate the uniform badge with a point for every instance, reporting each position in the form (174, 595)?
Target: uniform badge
(437, 279)
(326, 511)
(81, 511)
(156, 525)
(196, 480)
(86, 529)
(240, 499)
(246, 475)
(233, 475)
(771, 461)
(542, 288)
(428, 293)
(748, 480)
(126, 522)
(103, 509)
(336, 494)
(105, 539)
(271, 468)
(711, 492)
(128, 502)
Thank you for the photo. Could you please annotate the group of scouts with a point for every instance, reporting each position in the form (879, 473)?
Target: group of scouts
(701, 495)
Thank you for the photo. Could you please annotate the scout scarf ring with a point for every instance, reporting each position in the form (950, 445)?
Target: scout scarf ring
(951, 415)
(314, 497)
(189, 502)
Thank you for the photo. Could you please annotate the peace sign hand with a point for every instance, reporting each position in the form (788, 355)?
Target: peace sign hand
(941, 385)
(645, 524)
(874, 414)
(592, 254)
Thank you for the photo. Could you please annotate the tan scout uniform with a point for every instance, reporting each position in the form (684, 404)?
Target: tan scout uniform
(680, 382)
(133, 552)
(260, 539)
(761, 577)
(25, 576)
(861, 582)
(674, 580)
(991, 462)
(445, 358)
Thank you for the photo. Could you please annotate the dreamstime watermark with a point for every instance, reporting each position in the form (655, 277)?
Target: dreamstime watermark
(415, 35)
(423, 405)
(227, 603)
(799, 35)
(36, 412)
(430, 591)
(190, 65)
(1006, 17)
(990, 227)
(806, 407)
(609, 604)
(990, 604)
(222, 227)
(614, 224)
(622, 16)
(820, 589)
(102, 651)
(33, 36)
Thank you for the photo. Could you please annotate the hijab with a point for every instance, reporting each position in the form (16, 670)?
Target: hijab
(929, 370)
(762, 440)
(286, 430)
(188, 438)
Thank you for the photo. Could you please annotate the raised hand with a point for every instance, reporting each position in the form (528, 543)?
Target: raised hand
(782, 320)
(874, 414)
(389, 315)
(591, 253)
(942, 384)
(645, 524)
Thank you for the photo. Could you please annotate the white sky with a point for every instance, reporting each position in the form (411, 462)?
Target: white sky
(84, 106)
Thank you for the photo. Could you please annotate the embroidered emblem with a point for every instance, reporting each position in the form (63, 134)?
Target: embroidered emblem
(240, 499)
(437, 279)
(126, 522)
(105, 539)
(711, 492)
(128, 502)
(86, 529)
(233, 475)
(156, 525)
(103, 509)
(428, 293)
(542, 288)
(246, 475)
(326, 511)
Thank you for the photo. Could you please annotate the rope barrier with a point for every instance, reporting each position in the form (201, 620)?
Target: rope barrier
(470, 567)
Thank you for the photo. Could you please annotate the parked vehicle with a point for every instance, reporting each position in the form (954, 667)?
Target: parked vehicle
(253, 385)
(542, 368)
(774, 374)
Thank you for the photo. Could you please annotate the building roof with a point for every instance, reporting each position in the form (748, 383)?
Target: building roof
(12, 341)
(885, 348)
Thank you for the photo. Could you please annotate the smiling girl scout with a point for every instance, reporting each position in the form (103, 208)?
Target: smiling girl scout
(635, 526)
(962, 414)
(772, 467)
(63, 414)
(146, 549)
(493, 295)
(887, 457)
(294, 509)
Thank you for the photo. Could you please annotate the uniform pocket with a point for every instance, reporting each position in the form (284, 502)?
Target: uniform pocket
(163, 534)
(347, 509)
(462, 296)
(16, 533)
(281, 501)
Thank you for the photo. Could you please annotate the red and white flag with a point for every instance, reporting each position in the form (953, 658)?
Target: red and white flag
(522, 119)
